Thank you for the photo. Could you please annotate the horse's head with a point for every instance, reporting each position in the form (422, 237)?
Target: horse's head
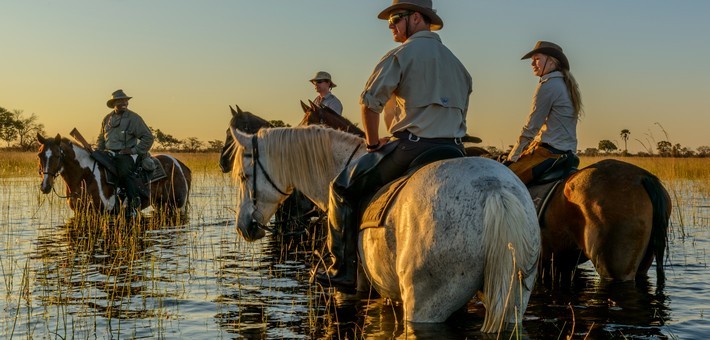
(259, 196)
(315, 114)
(51, 160)
(242, 121)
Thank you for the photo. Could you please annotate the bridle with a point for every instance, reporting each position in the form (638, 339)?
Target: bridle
(60, 168)
(256, 162)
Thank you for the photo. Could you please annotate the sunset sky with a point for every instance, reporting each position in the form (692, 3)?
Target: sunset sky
(642, 65)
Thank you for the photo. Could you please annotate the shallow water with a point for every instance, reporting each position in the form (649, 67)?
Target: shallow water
(199, 279)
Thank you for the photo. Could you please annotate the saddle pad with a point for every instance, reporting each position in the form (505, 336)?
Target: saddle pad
(158, 173)
(541, 195)
(374, 214)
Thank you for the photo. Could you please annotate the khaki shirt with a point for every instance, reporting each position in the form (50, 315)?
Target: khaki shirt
(124, 131)
(331, 101)
(430, 87)
(552, 118)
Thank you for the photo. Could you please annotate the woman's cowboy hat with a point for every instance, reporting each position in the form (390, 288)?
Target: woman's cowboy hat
(322, 75)
(551, 49)
(422, 6)
(118, 94)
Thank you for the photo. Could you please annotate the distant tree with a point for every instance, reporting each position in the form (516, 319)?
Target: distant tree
(625, 136)
(215, 145)
(8, 126)
(27, 129)
(703, 151)
(607, 146)
(279, 123)
(166, 141)
(591, 152)
(665, 148)
(192, 144)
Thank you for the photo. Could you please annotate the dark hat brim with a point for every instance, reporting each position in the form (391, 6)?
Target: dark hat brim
(557, 54)
(109, 103)
(436, 22)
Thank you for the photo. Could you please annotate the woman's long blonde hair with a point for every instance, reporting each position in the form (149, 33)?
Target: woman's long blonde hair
(572, 87)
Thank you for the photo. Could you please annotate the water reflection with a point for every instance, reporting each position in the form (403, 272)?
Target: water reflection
(599, 309)
(110, 272)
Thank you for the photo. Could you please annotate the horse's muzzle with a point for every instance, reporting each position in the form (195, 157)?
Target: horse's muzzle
(254, 231)
(46, 186)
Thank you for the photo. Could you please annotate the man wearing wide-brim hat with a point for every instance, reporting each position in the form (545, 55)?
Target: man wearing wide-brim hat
(323, 85)
(424, 91)
(128, 139)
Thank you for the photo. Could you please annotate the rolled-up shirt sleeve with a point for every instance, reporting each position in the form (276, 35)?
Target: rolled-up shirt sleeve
(382, 83)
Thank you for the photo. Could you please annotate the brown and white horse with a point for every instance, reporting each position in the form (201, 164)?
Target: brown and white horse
(87, 188)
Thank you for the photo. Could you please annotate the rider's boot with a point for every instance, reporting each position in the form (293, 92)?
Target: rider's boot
(342, 239)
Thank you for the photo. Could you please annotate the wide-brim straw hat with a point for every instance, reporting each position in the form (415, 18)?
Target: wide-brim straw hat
(551, 49)
(118, 94)
(322, 75)
(422, 6)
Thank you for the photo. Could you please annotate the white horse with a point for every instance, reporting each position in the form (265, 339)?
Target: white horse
(458, 226)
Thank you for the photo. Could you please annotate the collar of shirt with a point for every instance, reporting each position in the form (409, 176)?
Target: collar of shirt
(424, 35)
(553, 74)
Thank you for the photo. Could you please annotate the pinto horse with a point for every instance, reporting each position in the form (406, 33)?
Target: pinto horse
(457, 226)
(612, 213)
(87, 188)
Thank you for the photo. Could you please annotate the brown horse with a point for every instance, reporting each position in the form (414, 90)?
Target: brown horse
(612, 213)
(322, 115)
(87, 187)
(243, 121)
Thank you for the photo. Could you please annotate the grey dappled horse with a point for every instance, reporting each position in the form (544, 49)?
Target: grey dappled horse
(457, 226)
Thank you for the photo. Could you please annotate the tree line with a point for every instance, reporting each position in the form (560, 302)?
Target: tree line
(18, 131)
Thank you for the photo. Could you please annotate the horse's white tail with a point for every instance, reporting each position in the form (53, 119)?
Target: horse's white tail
(512, 249)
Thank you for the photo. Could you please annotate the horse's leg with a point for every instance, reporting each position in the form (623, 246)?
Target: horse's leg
(562, 229)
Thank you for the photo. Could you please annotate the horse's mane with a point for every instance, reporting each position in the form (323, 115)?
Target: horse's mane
(302, 154)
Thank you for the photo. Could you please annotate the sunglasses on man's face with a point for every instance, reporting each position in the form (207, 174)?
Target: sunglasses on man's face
(395, 18)
(321, 81)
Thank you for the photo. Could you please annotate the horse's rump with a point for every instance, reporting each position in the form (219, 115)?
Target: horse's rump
(612, 213)
(441, 234)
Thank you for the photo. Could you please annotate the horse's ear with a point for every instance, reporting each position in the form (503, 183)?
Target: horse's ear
(234, 113)
(41, 138)
(238, 109)
(241, 138)
(304, 106)
(58, 138)
(313, 105)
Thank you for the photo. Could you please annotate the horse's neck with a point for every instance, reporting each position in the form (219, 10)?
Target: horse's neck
(317, 189)
(79, 168)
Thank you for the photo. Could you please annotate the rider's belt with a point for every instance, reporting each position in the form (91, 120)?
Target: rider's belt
(414, 138)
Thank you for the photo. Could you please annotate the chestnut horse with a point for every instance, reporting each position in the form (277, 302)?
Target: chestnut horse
(87, 188)
(612, 213)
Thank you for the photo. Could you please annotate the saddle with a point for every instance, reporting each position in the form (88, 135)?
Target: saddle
(541, 188)
(376, 206)
(143, 175)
